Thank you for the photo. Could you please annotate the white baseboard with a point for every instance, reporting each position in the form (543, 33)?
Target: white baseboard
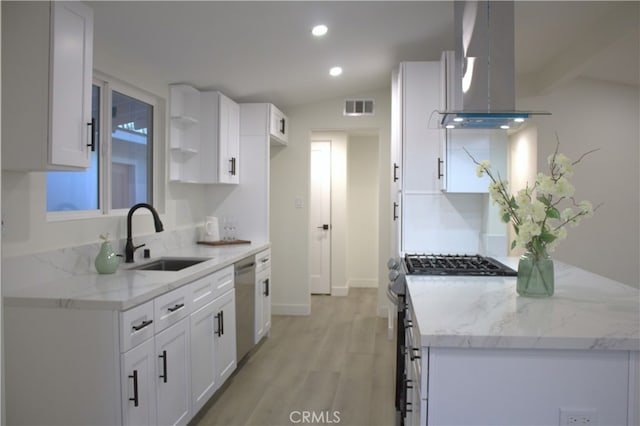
(286, 309)
(363, 283)
(339, 291)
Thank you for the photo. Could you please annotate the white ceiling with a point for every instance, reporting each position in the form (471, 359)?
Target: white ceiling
(263, 51)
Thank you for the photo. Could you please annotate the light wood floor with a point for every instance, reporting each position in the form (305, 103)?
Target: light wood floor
(337, 363)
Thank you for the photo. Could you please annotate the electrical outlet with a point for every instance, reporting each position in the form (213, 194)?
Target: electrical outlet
(575, 417)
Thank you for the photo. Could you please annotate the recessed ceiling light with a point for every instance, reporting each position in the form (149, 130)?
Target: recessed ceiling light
(458, 119)
(319, 30)
(519, 120)
(335, 71)
(450, 126)
(504, 127)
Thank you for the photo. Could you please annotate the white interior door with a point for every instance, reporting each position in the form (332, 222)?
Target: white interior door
(320, 218)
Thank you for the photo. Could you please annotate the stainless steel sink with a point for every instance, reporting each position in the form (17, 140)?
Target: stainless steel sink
(169, 264)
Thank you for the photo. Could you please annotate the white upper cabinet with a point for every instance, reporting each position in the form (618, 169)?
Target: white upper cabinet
(205, 137)
(47, 61)
(278, 127)
(220, 138)
(419, 88)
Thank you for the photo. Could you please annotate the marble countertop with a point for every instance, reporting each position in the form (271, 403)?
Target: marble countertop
(126, 288)
(587, 311)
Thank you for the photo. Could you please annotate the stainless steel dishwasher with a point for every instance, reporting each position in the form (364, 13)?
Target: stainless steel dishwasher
(245, 283)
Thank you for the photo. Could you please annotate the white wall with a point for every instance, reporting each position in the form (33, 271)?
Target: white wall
(588, 114)
(290, 180)
(362, 211)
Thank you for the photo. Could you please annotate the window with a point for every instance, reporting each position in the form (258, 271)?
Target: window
(132, 124)
(121, 171)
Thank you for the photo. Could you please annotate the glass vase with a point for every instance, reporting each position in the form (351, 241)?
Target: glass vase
(535, 275)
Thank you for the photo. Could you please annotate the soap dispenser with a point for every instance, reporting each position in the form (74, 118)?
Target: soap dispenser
(107, 261)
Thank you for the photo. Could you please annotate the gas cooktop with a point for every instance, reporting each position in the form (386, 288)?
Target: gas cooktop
(455, 264)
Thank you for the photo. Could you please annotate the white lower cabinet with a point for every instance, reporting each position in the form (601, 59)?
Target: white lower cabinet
(156, 374)
(213, 335)
(203, 357)
(173, 374)
(138, 385)
(263, 295)
(155, 364)
(225, 336)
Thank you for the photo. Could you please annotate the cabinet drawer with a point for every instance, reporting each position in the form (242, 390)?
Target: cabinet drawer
(263, 260)
(172, 307)
(136, 326)
(208, 288)
(202, 291)
(223, 281)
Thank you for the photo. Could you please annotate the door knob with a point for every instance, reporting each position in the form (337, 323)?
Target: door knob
(324, 227)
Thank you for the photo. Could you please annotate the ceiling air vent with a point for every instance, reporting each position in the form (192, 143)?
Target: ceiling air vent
(356, 107)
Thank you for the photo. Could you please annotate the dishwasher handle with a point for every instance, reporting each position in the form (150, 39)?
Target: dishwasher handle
(245, 268)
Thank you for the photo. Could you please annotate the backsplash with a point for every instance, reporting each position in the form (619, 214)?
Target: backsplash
(56, 264)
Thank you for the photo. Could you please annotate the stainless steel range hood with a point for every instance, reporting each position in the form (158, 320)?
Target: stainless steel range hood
(480, 73)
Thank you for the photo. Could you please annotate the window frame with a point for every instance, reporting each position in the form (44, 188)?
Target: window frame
(108, 85)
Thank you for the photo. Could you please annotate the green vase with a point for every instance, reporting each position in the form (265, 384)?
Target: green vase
(107, 261)
(535, 275)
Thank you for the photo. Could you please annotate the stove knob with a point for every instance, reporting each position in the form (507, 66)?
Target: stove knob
(392, 264)
(393, 275)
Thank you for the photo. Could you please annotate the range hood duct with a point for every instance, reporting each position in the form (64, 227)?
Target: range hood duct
(480, 73)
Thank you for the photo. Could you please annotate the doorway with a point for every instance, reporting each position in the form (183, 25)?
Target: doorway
(343, 211)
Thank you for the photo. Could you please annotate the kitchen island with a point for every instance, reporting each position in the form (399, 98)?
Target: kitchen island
(481, 354)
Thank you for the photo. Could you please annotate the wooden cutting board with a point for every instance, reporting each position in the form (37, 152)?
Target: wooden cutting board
(224, 243)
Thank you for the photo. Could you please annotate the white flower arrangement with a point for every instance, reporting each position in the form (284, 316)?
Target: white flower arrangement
(535, 211)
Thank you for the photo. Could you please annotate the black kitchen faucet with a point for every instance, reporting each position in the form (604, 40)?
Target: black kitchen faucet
(129, 247)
